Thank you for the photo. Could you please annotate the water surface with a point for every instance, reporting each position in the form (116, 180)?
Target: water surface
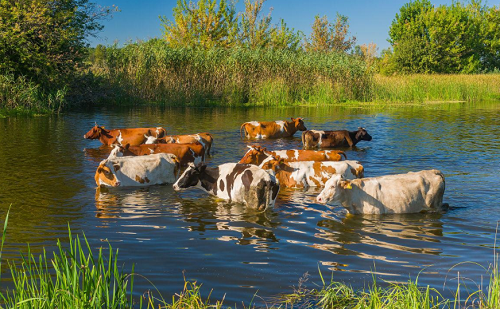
(47, 169)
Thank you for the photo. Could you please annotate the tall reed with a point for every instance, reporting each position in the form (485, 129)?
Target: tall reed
(427, 88)
(153, 71)
(21, 95)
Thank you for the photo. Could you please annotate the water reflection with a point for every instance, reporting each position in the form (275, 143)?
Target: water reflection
(392, 235)
(49, 180)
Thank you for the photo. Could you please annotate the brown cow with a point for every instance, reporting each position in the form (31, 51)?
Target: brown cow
(303, 174)
(327, 139)
(205, 139)
(257, 154)
(272, 129)
(132, 136)
(193, 152)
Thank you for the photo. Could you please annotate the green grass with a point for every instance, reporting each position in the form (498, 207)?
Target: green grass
(75, 277)
(20, 96)
(154, 72)
(421, 88)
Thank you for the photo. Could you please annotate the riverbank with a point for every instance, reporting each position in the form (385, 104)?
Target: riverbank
(77, 278)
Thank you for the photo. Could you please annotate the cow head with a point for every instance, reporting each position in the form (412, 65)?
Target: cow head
(333, 189)
(299, 124)
(362, 135)
(255, 155)
(190, 177)
(150, 139)
(106, 175)
(94, 133)
(274, 163)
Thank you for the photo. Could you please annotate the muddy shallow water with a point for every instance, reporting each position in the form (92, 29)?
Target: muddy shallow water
(47, 169)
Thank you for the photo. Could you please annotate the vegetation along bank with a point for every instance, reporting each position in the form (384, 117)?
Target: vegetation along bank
(243, 58)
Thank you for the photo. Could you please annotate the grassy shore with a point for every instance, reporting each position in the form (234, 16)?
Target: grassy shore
(74, 277)
(153, 73)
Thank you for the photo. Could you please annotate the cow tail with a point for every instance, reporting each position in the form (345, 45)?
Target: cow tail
(304, 139)
(342, 154)
(242, 128)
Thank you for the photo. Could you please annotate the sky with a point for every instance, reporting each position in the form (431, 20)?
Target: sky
(369, 20)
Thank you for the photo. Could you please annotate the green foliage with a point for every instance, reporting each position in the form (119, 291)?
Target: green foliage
(154, 71)
(205, 24)
(327, 37)
(42, 45)
(454, 38)
(44, 40)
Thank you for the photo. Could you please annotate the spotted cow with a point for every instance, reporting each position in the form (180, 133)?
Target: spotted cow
(132, 136)
(149, 170)
(240, 183)
(206, 139)
(192, 152)
(402, 193)
(328, 139)
(306, 174)
(272, 129)
(257, 154)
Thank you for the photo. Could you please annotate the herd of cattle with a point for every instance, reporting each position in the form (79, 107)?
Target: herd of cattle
(148, 156)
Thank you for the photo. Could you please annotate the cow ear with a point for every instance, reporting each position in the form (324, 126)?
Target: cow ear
(201, 167)
(293, 119)
(345, 184)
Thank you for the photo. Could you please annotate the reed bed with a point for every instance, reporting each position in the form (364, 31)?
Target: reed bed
(19, 95)
(153, 71)
(421, 88)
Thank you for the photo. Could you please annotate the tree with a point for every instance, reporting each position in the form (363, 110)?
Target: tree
(204, 24)
(326, 37)
(45, 40)
(454, 38)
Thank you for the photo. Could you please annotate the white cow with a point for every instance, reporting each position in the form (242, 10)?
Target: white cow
(241, 183)
(304, 174)
(148, 170)
(402, 193)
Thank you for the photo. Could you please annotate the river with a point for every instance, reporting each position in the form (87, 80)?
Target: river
(47, 175)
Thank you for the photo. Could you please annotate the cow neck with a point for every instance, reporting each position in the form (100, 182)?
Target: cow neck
(352, 135)
(106, 136)
(284, 175)
(208, 179)
(290, 127)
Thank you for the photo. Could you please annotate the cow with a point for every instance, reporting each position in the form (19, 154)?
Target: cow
(206, 139)
(193, 152)
(329, 139)
(155, 169)
(306, 174)
(272, 129)
(240, 183)
(393, 194)
(132, 136)
(256, 155)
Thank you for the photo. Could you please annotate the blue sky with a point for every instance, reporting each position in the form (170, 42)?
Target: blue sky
(369, 20)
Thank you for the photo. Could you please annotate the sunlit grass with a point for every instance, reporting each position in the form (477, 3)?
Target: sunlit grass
(75, 277)
(431, 88)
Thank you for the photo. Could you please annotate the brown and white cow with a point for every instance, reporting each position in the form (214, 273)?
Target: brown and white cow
(137, 171)
(328, 139)
(402, 193)
(257, 154)
(309, 173)
(240, 183)
(132, 136)
(192, 152)
(272, 129)
(206, 139)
